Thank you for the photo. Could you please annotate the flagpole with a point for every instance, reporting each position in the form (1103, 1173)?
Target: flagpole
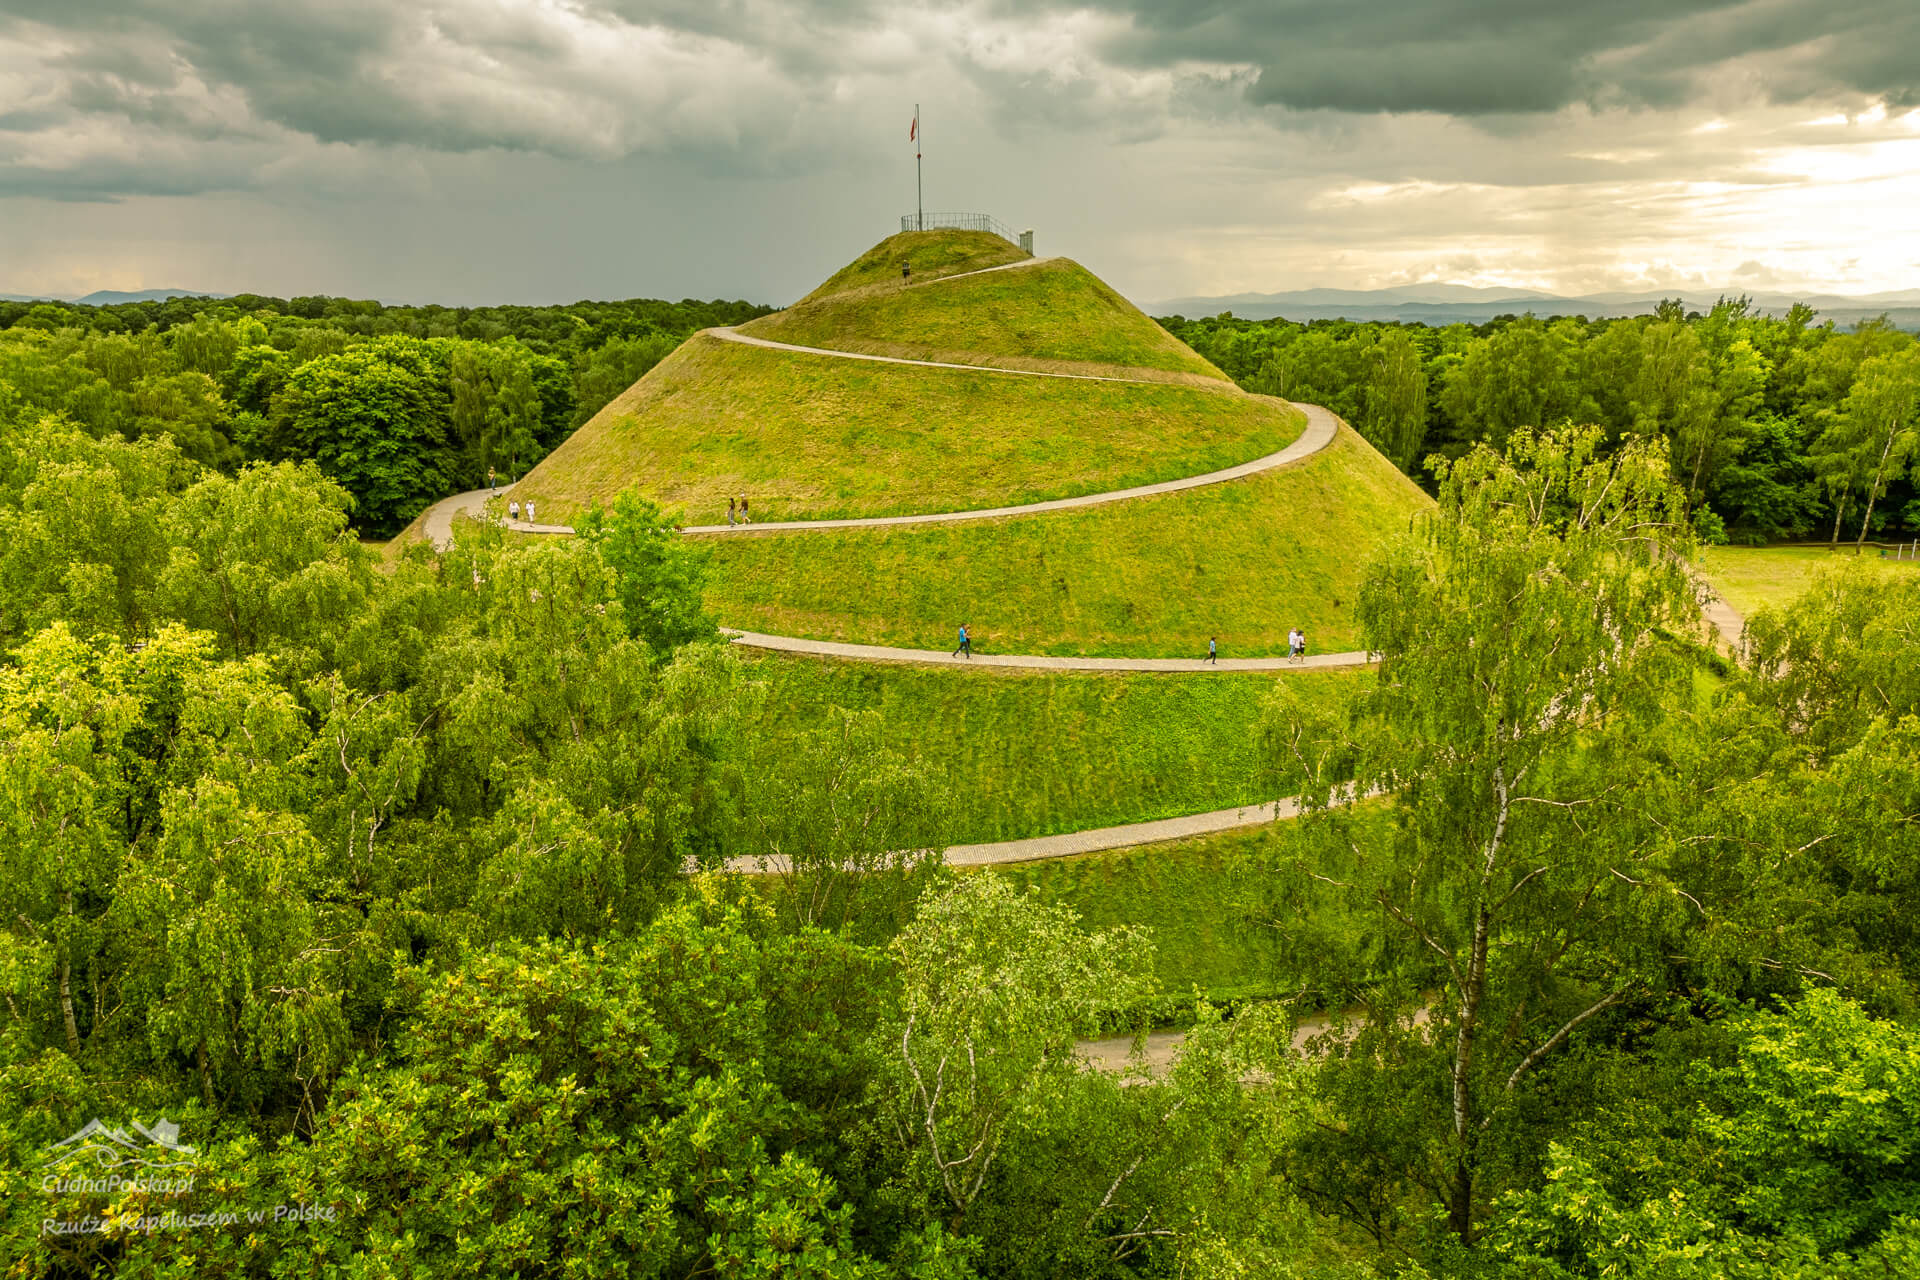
(919, 199)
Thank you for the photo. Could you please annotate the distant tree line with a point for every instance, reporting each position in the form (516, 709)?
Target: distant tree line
(1779, 428)
(399, 405)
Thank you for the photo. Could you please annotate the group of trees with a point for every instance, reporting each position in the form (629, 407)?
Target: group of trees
(407, 891)
(1777, 427)
(400, 405)
(397, 887)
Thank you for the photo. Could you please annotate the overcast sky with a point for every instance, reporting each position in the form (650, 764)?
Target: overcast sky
(548, 150)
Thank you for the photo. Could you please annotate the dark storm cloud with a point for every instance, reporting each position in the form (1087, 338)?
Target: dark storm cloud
(1486, 57)
(378, 71)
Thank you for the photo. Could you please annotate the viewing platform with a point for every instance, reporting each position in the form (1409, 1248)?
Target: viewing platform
(967, 222)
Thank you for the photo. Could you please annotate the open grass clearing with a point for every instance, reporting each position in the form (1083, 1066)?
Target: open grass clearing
(1038, 753)
(1054, 317)
(814, 437)
(1752, 578)
(1152, 577)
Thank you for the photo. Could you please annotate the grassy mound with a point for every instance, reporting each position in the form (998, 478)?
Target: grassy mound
(1053, 316)
(1154, 577)
(814, 437)
(1037, 753)
(931, 254)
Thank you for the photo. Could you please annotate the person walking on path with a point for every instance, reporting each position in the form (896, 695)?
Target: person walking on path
(729, 513)
(513, 510)
(1296, 645)
(1213, 650)
(492, 486)
(966, 644)
(529, 510)
(744, 517)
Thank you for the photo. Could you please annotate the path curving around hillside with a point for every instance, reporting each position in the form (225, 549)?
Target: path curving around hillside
(1030, 261)
(1036, 661)
(1321, 430)
(746, 339)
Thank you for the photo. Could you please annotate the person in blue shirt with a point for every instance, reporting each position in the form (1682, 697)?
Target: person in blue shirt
(1213, 650)
(966, 643)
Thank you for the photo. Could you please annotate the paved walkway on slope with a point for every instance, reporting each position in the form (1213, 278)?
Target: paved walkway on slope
(981, 271)
(1321, 429)
(734, 335)
(1037, 661)
(1097, 840)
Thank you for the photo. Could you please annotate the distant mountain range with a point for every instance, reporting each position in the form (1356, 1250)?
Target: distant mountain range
(106, 297)
(1440, 304)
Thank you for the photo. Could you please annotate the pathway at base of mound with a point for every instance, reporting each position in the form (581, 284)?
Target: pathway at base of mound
(1098, 840)
(1725, 620)
(1036, 662)
(734, 335)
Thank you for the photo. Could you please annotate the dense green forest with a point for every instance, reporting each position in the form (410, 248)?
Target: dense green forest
(1779, 428)
(400, 405)
(400, 890)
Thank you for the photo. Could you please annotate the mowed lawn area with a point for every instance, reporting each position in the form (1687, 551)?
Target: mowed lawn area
(817, 437)
(1053, 316)
(1038, 753)
(1151, 577)
(1751, 578)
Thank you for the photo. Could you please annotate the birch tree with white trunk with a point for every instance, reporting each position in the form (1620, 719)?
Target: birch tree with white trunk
(1526, 643)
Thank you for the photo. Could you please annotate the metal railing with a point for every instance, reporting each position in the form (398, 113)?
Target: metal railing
(958, 222)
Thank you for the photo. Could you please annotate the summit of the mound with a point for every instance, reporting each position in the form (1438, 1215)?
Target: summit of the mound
(812, 426)
(930, 254)
(1037, 314)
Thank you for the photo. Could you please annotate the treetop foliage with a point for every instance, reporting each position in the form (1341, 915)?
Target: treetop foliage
(1776, 427)
(400, 405)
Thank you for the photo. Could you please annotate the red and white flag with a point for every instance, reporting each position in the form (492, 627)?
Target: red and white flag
(914, 133)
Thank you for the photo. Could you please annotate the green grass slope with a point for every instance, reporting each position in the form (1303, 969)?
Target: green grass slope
(1053, 316)
(1038, 753)
(1211, 903)
(1152, 577)
(931, 254)
(815, 437)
